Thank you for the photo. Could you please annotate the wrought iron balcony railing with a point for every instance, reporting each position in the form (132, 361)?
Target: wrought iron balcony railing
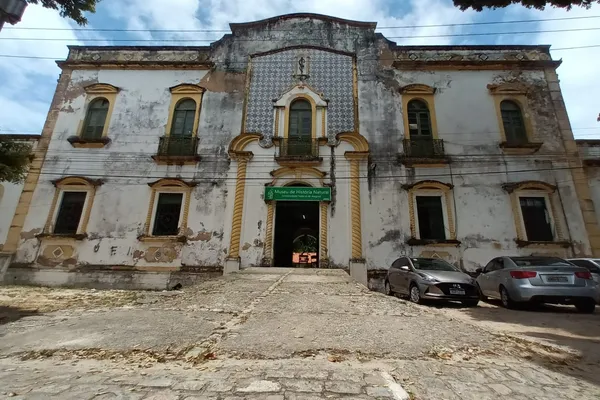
(177, 146)
(424, 148)
(298, 148)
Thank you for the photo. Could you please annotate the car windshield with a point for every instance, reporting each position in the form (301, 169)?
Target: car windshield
(432, 264)
(540, 261)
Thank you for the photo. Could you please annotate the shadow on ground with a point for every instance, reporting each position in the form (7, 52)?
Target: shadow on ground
(554, 325)
(11, 314)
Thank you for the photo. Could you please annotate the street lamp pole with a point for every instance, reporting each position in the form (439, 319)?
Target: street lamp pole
(11, 11)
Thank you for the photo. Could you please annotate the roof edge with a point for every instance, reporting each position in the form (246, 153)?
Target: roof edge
(253, 24)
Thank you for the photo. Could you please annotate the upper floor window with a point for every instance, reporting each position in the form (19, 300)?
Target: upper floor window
(514, 124)
(419, 119)
(95, 119)
(300, 120)
(184, 117)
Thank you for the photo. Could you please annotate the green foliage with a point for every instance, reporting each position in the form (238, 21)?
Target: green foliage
(14, 160)
(479, 5)
(73, 9)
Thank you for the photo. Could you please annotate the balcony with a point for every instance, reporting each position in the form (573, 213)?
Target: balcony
(423, 151)
(177, 150)
(298, 150)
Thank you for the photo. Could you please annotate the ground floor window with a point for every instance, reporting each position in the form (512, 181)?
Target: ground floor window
(431, 217)
(536, 218)
(167, 215)
(70, 212)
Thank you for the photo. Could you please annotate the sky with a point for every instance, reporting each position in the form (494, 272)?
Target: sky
(27, 84)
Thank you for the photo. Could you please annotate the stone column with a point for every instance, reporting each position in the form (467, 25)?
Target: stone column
(323, 251)
(232, 263)
(358, 266)
(268, 257)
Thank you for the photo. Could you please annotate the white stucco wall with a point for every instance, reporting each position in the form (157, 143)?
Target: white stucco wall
(121, 204)
(9, 198)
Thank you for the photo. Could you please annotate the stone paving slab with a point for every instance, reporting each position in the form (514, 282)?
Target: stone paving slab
(316, 378)
(115, 329)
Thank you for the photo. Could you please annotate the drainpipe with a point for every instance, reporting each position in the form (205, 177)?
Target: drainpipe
(11, 11)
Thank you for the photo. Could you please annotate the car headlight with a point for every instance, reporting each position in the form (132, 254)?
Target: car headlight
(428, 278)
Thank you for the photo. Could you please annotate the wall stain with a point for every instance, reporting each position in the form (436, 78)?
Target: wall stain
(31, 234)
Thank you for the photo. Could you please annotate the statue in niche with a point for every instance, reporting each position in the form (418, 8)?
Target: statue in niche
(302, 67)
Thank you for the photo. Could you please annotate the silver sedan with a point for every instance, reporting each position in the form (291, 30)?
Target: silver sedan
(432, 279)
(553, 280)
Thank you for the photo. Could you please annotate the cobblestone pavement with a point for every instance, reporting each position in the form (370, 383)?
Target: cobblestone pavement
(271, 334)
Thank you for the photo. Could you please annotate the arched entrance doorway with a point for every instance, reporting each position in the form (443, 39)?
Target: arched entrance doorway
(296, 241)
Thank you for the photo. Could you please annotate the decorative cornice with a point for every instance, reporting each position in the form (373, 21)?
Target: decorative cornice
(528, 185)
(101, 88)
(508, 88)
(187, 88)
(417, 88)
(239, 143)
(77, 181)
(171, 182)
(237, 27)
(358, 141)
(428, 184)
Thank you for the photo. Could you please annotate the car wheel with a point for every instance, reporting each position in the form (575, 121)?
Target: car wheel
(470, 303)
(507, 302)
(415, 294)
(586, 306)
(482, 296)
(388, 289)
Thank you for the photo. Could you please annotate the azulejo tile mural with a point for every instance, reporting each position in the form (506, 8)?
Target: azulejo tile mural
(273, 74)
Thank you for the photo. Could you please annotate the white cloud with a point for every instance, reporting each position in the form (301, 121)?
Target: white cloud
(28, 84)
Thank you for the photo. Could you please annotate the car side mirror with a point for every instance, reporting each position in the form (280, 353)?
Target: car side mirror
(479, 271)
(404, 268)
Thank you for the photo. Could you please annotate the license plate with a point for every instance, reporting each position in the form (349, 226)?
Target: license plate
(557, 278)
(457, 291)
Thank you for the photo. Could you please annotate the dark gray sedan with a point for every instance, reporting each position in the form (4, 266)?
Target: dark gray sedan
(430, 278)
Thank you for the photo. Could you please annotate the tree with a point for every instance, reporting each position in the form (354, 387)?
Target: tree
(479, 5)
(14, 160)
(73, 9)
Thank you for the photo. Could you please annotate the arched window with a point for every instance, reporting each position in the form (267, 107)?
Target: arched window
(419, 120)
(95, 119)
(183, 118)
(300, 120)
(512, 119)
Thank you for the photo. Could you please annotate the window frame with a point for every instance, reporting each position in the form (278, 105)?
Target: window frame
(419, 134)
(93, 93)
(431, 193)
(535, 189)
(546, 198)
(516, 93)
(179, 94)
(72, 184)
(422, 93)
(519, 109)
(434, 189)
(168, 186)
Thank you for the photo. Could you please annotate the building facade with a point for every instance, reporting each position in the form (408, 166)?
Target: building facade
(300, 140)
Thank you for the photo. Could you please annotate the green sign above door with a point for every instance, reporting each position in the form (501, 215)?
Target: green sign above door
(291, 193)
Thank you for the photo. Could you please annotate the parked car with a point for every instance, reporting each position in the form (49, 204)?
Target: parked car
(430, 278)
(592, 265)
(552, 280)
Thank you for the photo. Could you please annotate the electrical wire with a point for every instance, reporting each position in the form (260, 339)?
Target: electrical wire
(304, 39)
(288, 30)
